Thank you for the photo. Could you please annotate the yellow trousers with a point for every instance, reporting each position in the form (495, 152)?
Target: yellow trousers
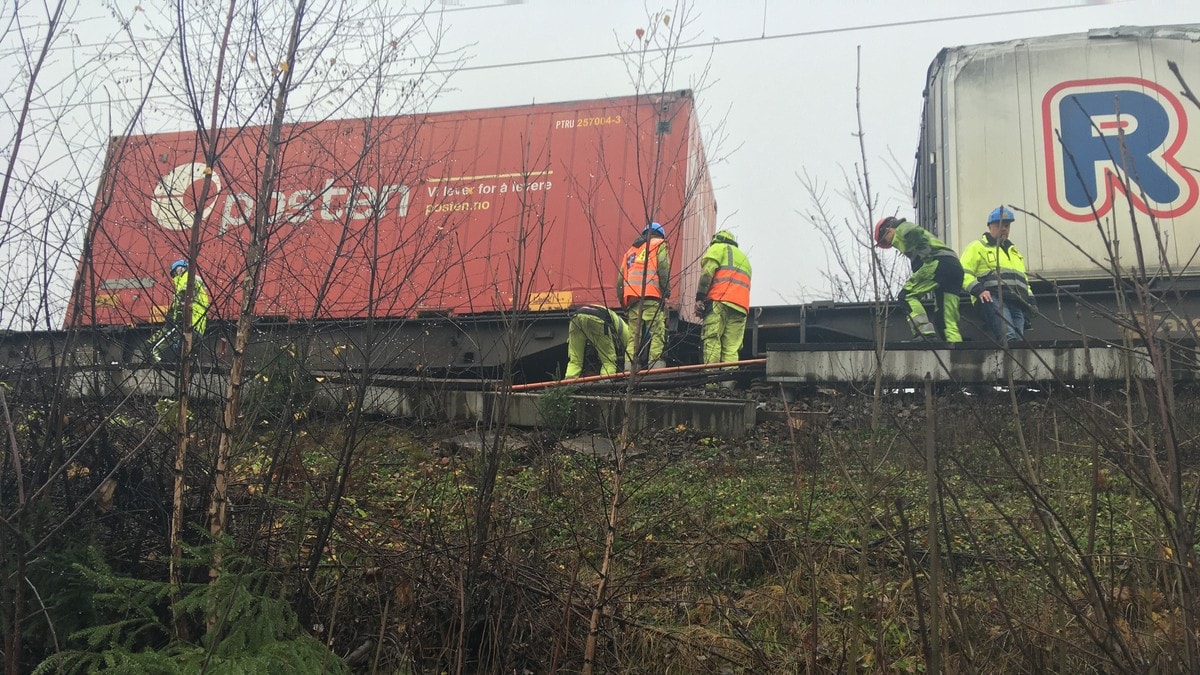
(654, 316)
(583, 329)
(722, 333)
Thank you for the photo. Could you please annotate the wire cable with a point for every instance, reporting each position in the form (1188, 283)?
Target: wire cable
(716, 42)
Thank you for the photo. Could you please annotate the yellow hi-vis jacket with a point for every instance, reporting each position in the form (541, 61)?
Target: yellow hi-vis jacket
(725, 276)
(200, 302)
(645, 271)
(987, 265)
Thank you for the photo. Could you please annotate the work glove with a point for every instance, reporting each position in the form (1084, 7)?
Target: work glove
(701, 307)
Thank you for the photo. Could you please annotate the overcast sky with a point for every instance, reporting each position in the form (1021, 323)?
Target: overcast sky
(786, 98)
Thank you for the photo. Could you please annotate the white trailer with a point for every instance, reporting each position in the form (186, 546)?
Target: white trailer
(1034, 123)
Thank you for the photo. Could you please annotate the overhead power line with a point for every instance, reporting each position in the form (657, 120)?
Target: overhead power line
(700, 45)
(781, 36)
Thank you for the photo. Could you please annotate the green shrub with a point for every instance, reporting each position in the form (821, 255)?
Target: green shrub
(556, 406)
(243, 631)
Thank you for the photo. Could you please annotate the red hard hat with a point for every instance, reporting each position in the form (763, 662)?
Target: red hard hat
(884, 224)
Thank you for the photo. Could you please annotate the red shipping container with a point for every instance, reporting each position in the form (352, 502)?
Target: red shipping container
(459, 213)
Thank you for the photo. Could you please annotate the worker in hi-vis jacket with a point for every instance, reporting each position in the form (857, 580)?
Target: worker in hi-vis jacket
(994, 275)
(606, 331)
(936, 269)
(723, 298)
(166, 340)
(643, 286)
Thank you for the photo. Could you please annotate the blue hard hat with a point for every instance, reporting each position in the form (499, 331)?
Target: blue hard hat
(177, 264)
(1000, 214)
(655, 227)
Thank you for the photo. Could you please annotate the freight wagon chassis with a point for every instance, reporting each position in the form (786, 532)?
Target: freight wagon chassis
(443, 345)
(1038, 365)
(433, 346)
(429, 366)
(1075, 312)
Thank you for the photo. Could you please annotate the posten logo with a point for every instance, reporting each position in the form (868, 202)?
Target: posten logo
(175, 196)
(1086, 168)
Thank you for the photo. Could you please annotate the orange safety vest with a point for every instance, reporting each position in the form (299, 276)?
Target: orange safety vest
(641, 271)
(731, 283)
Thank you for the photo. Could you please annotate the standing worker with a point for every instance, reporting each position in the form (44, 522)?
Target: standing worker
(935, 268)
(723, 298)
(643, 286)
(606, 331)
(994, 275)
(167, 339)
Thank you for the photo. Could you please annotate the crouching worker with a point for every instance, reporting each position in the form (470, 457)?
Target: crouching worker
(166, 341)
(605, 330)
(936, 269)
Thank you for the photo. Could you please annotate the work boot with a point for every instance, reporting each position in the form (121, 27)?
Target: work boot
(658, 363)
